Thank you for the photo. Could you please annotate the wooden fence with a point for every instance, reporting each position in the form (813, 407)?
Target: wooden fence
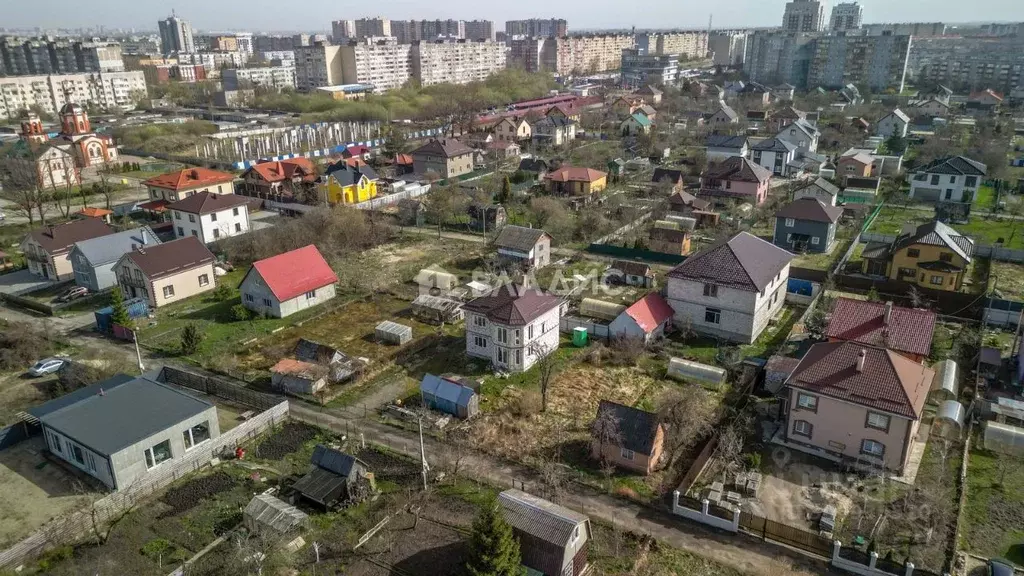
(218, 388)
(75, 526)
(786, 534)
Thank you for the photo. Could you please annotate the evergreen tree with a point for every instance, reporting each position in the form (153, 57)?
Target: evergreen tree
(120, 311)
(494, 550)
(191, 337)
(506, 191)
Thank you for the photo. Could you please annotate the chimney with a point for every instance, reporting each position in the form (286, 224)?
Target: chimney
(144, 237)
(888, 313)
(860, 360)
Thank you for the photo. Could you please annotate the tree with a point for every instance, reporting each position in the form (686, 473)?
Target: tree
(191, 338)
(547, 365)
(21, 188)
(605, 430)
(493, 549)
(120, 311)
(395, 142)
(506, 191)
(896, 144)
(688, 416)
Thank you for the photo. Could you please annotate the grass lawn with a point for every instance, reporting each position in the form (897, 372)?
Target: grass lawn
(890, 219)
(820, 260)
(984, 229)
(986, 197)
(1007, 279)
(994, 512)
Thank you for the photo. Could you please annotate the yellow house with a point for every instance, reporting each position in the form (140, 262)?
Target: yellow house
(347, 184)
(576, 181)
(933, 256)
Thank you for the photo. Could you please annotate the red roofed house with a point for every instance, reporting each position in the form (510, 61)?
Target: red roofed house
(174, 186)
(94, 212)
(646, 319)
(907, 331)
(575, 181)
(512, 326)
(282, 285)
(856, 404)
(281, 180)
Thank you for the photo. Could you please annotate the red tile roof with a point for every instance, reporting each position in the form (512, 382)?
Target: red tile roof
(575, 174)
(155, 205)
(403, 160)
(295, 272)
(189, 178)
(272, 171)
(909, 330)
(650, 311)
(293, 367)
(888, 382)
(92, 212)
(355, 150)
(207, 202)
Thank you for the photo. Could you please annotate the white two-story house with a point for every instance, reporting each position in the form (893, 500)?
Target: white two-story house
(730, 289)
(512, 327)
(210, 217)
(950, 179)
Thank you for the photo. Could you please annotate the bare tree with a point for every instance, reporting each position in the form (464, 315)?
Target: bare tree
(547, 365)
(259, 553)
(62, 192)
(687, 415)
(731, 441)
(21, 187)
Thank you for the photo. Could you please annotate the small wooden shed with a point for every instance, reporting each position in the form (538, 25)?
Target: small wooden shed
(392, 333)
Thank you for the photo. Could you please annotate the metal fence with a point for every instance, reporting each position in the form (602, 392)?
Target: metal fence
(785, 534)
(218, 388)
(76, 525)
(568, 323)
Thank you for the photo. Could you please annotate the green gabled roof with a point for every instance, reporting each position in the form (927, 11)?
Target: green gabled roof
(641, 119)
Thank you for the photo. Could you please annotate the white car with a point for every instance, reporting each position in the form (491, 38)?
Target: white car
(46, 366)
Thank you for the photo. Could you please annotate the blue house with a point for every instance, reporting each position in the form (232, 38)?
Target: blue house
(93, 260)
(806, 225)
(449, 397)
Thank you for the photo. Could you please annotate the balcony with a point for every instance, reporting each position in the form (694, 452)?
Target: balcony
(37, 256)
(132, 280)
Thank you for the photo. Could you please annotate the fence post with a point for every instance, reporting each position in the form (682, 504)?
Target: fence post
(836, 546)
(704, 505)
(910, 568)
(675, 500)
(873, 561)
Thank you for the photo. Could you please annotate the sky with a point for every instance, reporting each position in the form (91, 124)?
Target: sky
(316, 15)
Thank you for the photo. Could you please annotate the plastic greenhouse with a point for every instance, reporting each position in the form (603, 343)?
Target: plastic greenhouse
(392, 333)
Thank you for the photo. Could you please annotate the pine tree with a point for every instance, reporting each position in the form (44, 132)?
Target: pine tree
(506, 191)
(120, 311)
(494, 550)
(191, 337)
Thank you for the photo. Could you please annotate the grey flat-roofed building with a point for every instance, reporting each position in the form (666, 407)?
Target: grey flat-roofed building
(119, 429)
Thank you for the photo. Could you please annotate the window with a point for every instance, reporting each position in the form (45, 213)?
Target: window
(177, 215)
(807, 402)
(238, 227)
(815, 240)
(802, 428)
(249, 298)
(216, 233)
(181, 231)
(502, 356)
(712, 316)
(971, 181)
(55, 441)
(872, 448)
(936, 280)
(158, 454)
(196, 435)
(479, 321)
(77, 453)
(946, 257)
(311, 294)
(529, 332)
(790, 222)
(168, 291)
(204, 279)
(502, 335)
(192, 218)
(877, 421)
(935, 179)
(907, 272)
(949, 193)
(952, 179)
(195, 233)
(627, 454)
(518, 337)
(213, 217)
(913, 253)
(234, 212)
(480, 342)
(711, 290)
(519, 357)
(728, 184)
(267, 302)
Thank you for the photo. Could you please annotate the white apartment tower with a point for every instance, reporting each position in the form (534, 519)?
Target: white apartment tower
(317, 66)
(385, 64)
(458, 62)
(804, 16)
(846, 17)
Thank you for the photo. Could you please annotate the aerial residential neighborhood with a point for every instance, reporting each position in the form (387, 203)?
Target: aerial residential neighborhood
(301, 290)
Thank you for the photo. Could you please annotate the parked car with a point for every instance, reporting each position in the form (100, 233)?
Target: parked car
(46, 366)
(73, 293)
(999, 567)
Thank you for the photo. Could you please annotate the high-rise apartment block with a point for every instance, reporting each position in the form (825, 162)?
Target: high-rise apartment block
(479, 30)
(640, 68)
(408, 31)
(846, 17)
(51, 93)
(779, 58)
(19, 56)
(343, 30)
(264, 43)
(878, 62)
(685, 45)
(729, 48)
(244, 42)
(915, 29)
(968, 63)
(275, 77)
(317, 66)
(537, 27)
(385, 65)
(804, 16)
(456, 62)
(176, 36)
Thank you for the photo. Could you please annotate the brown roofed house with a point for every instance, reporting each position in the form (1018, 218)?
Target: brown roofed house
(736, 177)
(908, 331)
(856, 404)
(47, 249)
(280, 180)
(522, 246)
(512, 326)
(626, 437)
(675, 241)
(175, 186)
(210, 217)
(446, 157)
(168, 272)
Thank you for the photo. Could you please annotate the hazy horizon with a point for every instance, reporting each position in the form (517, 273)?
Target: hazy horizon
(316, 15)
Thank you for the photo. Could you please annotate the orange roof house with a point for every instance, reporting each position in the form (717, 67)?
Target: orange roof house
(576, 181)
(175, 186)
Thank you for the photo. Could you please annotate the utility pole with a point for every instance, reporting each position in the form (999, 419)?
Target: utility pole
(138, 354)
(423, 456)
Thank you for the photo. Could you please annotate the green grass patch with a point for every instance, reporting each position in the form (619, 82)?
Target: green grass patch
(986, 197)
(994, 511)
(821, 260)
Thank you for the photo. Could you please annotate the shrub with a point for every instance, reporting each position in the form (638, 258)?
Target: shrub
(222, 292)
(527, 404)
(191, 338)
(240, 312)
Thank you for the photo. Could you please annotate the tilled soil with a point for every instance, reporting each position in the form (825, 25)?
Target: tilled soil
(189, 495)
(290, 438)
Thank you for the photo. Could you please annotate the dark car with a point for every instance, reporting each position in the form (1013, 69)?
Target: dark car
(999, 567)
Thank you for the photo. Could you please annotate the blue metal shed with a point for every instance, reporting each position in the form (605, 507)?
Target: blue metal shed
(137, 308)
(449, 397)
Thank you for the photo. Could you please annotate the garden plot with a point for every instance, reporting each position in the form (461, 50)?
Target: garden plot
(994, 512)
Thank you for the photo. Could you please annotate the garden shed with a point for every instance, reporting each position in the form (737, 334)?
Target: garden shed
(436, 309)
(449, 396)
(298, 377)
(392, 333)
(593, 308)
(681, 369)
(436, 282)
(267, 514)
(335, 477)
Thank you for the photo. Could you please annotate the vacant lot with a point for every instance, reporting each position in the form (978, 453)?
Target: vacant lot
(995, 506)
(35, 491)
(985, 229)
(1007, 280)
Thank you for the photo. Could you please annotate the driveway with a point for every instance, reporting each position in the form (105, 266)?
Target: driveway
(22, 282)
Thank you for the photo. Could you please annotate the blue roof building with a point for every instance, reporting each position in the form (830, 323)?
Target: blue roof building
(449, 397)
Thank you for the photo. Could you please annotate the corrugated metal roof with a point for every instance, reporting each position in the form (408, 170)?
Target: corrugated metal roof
(446, 390)
(110, 248)
(540, 518)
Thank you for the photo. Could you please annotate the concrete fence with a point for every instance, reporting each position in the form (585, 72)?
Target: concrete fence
(704, 515)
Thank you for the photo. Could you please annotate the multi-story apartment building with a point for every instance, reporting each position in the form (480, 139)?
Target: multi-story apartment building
(98, 57)
(44, 56)
(968, 63)
(479, 30)
(916, 29)
(456, 62)
(317, 66)
(591, 53)
(176, 36)
(278, 57)
(136, 45)
(640, 68)
(276, 77)
(408, 31)
(245, 43)
(384, 64)
(804, 16)
(527, 53)
(685, 45)
(265, 43)
(846, 17)
(778, 57)
(215, 60)
(371, 27)
(343, 30)
(729, 49)
(879, 62)
(537, 27)
(51, 93)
